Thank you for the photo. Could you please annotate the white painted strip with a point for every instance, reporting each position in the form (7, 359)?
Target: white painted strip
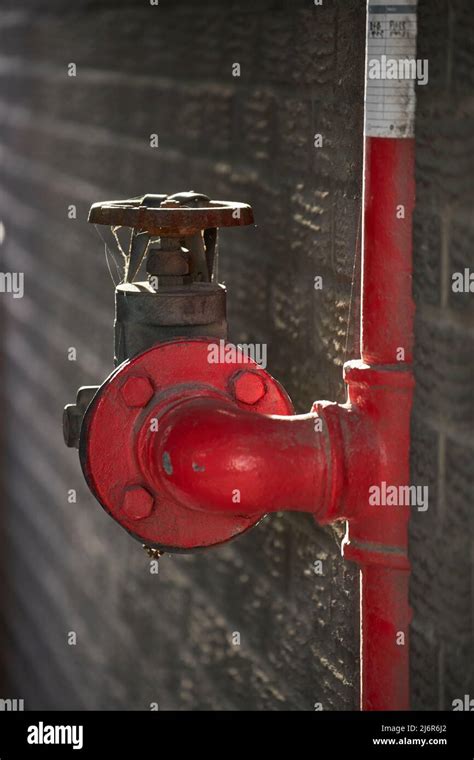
(391, 69)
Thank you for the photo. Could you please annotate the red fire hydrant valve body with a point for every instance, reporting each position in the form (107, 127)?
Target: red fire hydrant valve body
(123, 458)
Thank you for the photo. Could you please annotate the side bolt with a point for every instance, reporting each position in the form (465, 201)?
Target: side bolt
(248, 387)
(137, 503)
(72, 422)
(137, 391)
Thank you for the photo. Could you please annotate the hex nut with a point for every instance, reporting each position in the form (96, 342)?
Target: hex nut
(248, 387)
(137, 503)
(137, 391)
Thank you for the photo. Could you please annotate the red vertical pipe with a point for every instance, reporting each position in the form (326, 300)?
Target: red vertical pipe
(387, 305)
(387, 333)
(387, 340)
(385, 617)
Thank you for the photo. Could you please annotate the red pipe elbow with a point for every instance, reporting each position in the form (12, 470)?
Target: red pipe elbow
(212, 456)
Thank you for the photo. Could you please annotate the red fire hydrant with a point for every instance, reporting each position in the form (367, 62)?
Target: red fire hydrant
(189, 442)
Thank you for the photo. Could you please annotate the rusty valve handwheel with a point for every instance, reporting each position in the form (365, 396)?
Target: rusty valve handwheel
(171, 215)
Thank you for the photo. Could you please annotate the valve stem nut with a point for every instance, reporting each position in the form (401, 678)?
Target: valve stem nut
(248, 387)
(137, 503)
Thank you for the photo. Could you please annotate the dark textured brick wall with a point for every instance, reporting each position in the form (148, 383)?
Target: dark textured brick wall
(443, 420)
(66, 567)
(143, 638)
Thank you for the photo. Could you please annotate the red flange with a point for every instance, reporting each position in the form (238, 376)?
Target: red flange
(127, 414)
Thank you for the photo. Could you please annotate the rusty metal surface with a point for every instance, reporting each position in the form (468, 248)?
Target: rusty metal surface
(167, 215)
(144, 317)
(74, 413)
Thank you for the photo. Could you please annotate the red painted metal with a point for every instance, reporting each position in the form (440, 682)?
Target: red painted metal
(387, 306)
(131, 413)
(380, 546)
(385, 617)
(257, 456)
